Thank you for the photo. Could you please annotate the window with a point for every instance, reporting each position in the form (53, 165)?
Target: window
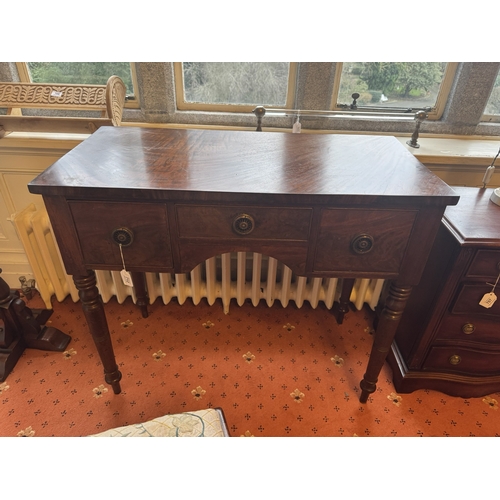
(85, 73)
(492, 110)
(394, 86)
(234, 86)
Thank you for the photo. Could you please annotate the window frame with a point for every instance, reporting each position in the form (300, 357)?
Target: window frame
(131, 100)
(183, 105)
(434, 114)
(486, 117)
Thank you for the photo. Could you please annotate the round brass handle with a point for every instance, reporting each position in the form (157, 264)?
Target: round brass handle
(455, 359)
(468, 328)
(362, 243)
(123, 236)
(243, 224)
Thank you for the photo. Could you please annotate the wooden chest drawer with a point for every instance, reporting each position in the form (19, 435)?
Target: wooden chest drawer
(462, 360)
(486, 264)
(468, 298)
(95, 223)
(229, 222)
(469, 328)
(363, 240)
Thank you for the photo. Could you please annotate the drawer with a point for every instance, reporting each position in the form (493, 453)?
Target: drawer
(469, 328)
(461, 360)
(229, 222)
(468, 298)
(96, 221)
(486, 264)
(360, 240)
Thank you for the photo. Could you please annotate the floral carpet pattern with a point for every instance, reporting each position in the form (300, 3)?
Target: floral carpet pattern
(274, 372)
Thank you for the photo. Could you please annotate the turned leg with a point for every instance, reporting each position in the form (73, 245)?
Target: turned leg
(141, 295)
(386, 330)
(96, 319)
(344, 299)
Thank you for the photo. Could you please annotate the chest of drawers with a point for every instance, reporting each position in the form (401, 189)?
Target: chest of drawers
(446, 340)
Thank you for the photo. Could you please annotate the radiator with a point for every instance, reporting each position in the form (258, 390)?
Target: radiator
(236, 277)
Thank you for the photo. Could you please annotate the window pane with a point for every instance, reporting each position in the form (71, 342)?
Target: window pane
(392, 84)
(93, 73)
(493, 106)
(236, 82)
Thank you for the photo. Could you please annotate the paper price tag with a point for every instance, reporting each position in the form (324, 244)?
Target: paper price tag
(488, 300)
(56, 93)
(126, 278)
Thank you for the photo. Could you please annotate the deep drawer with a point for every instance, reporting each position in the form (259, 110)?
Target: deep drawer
(468, 298)
(95, 223)
(486, 264)
(363, 240)
(229, 222)
(469, 328)
(461, 360)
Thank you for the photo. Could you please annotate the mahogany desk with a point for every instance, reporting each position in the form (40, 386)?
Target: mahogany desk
(325, 205)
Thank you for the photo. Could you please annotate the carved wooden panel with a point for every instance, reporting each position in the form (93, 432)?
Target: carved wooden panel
(115, 99)
(36, 95)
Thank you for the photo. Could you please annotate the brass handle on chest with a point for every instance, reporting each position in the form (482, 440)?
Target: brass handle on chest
(243, 224)
(123, 236)
(362, 243)
(455, 359)
(468, 328)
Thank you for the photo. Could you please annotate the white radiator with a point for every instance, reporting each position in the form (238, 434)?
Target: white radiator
(241, 276)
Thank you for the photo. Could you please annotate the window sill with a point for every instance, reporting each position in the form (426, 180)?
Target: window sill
(478, 151)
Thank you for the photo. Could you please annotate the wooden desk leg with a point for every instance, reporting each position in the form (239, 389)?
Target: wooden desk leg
(96, 319)
(345, 296)
(386, 330)
(139, 281)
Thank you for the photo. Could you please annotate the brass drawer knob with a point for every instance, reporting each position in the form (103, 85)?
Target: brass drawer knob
(362, 243)
(468, 328)
(455, 359)
(243, 224)
(123, 236)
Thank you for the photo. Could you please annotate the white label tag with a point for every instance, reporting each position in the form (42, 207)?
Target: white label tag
(296, 127)
(56, 93)
(126, 278)
(488, 300)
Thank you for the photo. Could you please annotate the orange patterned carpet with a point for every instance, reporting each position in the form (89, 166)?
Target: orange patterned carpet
(273, 371)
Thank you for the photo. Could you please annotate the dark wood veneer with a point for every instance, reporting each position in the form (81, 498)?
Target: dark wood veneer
(446, 341)
(310, 197)
(96, 221)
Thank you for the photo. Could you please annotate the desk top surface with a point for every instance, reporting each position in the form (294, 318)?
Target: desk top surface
(155, 163)
(476, 219)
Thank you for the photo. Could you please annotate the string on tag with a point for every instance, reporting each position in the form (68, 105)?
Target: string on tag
(490, 298)
(494, 285)
(123, 260)
(297, 126)
(126, 278)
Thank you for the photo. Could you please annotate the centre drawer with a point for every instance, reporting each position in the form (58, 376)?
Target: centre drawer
(228, 222)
